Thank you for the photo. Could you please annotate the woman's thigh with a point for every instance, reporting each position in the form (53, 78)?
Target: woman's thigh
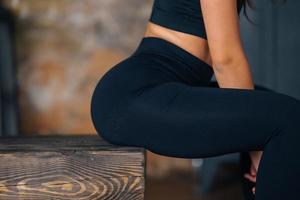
(175, 119)
(178, 120)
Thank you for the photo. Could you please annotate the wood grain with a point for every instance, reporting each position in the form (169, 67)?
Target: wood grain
(76, 167)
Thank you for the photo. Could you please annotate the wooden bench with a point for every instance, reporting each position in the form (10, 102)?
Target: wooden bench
(76, 167)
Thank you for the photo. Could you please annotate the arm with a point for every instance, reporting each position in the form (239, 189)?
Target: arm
(229, 61)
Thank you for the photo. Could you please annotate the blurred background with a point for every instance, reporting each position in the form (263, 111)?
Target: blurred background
(53, 52)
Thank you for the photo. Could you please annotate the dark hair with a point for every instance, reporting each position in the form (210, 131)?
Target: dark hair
(251, 5)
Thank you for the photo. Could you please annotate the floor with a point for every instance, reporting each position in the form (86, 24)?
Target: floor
(186, 186)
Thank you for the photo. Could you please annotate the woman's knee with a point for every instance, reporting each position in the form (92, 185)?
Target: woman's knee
(293, 108)
(290, 117)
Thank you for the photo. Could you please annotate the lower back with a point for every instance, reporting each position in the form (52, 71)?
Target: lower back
(193, 44)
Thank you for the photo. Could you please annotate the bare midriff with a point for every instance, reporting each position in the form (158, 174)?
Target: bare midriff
(195, 45)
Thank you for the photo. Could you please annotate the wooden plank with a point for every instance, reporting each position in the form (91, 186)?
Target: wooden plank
(77, 167)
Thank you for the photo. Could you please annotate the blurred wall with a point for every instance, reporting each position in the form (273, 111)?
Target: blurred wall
(63, 48)
(272, 45)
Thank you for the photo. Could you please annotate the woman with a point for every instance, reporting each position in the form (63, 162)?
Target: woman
(160, 97)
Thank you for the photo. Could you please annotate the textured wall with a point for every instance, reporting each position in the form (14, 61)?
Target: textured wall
(63, 48)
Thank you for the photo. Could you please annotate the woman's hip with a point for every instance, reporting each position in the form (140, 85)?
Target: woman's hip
(155, 61)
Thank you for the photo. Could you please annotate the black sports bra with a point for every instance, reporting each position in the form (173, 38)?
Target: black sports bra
(181, 15)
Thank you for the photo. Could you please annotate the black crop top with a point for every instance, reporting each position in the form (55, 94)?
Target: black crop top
(181, 15)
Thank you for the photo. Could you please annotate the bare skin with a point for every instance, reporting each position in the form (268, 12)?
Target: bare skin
(195, 45)
(222, 50)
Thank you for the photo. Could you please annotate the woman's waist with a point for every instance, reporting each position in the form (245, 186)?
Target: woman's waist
(166, 57)
(193, 44)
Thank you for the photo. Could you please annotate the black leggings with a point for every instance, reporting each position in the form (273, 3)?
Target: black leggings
(160, 98)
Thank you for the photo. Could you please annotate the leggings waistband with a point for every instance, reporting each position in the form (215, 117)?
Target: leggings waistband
(186, 60)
